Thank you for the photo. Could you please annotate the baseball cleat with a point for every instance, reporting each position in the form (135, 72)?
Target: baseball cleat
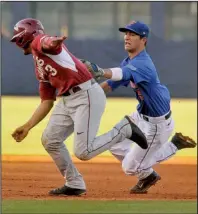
(137, 135)
(65, 190)
(182, 142)
(143, 185)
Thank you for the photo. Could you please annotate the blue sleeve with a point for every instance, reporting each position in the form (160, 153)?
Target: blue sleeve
(137, 75)
(116, 84)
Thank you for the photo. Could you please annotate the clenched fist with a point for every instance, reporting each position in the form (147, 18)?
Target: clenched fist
(20, 133)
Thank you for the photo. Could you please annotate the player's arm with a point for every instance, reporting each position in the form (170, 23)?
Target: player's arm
(124, 74)
(52, 45)
(40, 113)
(43, 109)
(115, 74)
(47, 94)
(111, 85)
(106, 87)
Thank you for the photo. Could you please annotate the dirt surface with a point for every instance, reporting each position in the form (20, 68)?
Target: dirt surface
(105, 181)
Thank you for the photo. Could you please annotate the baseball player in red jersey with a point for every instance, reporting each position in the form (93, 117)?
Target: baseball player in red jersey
(79, 110)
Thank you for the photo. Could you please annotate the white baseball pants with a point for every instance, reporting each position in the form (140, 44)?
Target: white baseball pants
(136, 161)
(80, 113)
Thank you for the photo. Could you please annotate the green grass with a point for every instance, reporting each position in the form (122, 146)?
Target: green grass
(17, 110)
(71, 206)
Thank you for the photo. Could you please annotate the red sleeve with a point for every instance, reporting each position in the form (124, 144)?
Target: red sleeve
(47, 42)
(36, 44)
(46, 91)
(46, 39)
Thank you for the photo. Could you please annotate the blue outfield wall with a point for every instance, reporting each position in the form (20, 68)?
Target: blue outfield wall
(176, 63)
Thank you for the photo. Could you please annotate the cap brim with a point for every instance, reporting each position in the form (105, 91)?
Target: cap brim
(124, 29)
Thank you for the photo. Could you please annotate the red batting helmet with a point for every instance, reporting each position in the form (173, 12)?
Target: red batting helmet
(25, 30)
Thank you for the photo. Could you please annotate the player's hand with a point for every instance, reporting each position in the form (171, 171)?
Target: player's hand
(93, 68)
(20, 133)
(50, 43)
(57, 41)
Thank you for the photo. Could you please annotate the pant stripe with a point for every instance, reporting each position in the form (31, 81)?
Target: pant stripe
(112, 138)
(166, 158)
(148, 148)
(88, 128)
(160, 161)
(88, 121)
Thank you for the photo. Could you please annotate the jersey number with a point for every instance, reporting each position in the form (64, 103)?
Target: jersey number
(40, 63)
(50, 69)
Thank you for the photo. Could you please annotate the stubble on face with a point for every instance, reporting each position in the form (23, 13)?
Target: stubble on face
(27, 50)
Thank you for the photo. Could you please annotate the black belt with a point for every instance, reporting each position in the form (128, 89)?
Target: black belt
(166, 117)
(76, 88)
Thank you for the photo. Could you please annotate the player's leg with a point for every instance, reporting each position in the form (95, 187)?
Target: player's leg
(170, 148)
(59, 128)
(120, 150)
(87, 120)
(139, 162)
(126, 153)
(167, 149)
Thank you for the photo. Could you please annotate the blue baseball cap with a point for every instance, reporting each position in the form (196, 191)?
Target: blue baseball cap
(137, 27)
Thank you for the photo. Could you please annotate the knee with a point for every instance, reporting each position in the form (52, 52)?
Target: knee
(82, 155)
(46, 141)
(130, 168)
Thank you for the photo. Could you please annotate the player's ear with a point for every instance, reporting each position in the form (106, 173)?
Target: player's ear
(144, 39)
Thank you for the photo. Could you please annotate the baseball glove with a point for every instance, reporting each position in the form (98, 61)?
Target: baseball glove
(94, 69)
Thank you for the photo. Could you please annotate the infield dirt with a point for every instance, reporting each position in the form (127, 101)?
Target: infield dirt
(105, 181)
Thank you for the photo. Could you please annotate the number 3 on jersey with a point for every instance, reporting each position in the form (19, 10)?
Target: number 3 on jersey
(50, 69)
(40, 63)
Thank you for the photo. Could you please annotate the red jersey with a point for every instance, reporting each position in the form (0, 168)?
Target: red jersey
(60, 71)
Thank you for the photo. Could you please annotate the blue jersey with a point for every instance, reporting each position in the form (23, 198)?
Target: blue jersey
(141, 74)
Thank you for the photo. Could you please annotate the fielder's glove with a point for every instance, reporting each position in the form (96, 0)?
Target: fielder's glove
(96, 71)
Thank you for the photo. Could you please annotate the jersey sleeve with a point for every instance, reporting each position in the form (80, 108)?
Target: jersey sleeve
(116, 84)
(47, 91)
(39, 40)
(36, 44)
(135, 74)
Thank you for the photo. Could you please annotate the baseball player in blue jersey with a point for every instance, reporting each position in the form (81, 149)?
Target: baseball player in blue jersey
(153, 115)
